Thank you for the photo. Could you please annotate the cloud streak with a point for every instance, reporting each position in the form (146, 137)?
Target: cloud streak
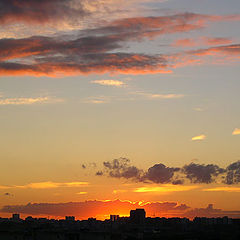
(166, 188)
(28, 101)
(114, 83)
(46, 185)
(199, 138)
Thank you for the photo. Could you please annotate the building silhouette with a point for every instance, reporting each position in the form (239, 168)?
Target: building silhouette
(138, 216)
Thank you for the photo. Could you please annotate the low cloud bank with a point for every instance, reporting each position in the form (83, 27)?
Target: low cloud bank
(102, 209)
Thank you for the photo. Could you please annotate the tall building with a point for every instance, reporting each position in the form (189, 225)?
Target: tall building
(138, 216)
(114, 218)
(70, 218)
(15, 216)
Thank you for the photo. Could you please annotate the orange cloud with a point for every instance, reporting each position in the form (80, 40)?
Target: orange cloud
(217, 41)
(189, 42)
(186, 42)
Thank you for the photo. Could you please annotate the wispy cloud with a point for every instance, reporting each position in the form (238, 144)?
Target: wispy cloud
(199, 138)
(97, 100)
(46, 185)
(216, 41)
(114, 83)
(222, 189)
(166, 188)
(119, 191)
(208, 41)
(236, 131)
(28, 101)
(158, 95)
(82, 193)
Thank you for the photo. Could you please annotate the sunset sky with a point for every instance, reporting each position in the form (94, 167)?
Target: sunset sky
(106, 106)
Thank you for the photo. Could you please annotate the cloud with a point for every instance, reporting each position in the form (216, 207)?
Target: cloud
(200, 137)
(236, 131)
(161, 174)
(165, 188)
(82, 193)
(186, 42)
(44, 11)
(155, 26)
(121, 168)
(200, 173)
(211, 212)
(158, 95)
(119, 191)
(46, 185)
(222, 189)
(115, 83)
(227, 50)
(28, 101)
(8, 194)
(99, 173)
(96, 50)
(100, 209)
(233, 173)
(217, 41)
(97, 100)
(166, 96)
(190, 42)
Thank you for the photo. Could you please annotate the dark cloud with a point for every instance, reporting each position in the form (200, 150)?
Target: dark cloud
(121, 168)
(8, 194)
(99, 173)
(233, 173)
(84, 55)
(39, 11)
(159, 173)
(200, 173)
